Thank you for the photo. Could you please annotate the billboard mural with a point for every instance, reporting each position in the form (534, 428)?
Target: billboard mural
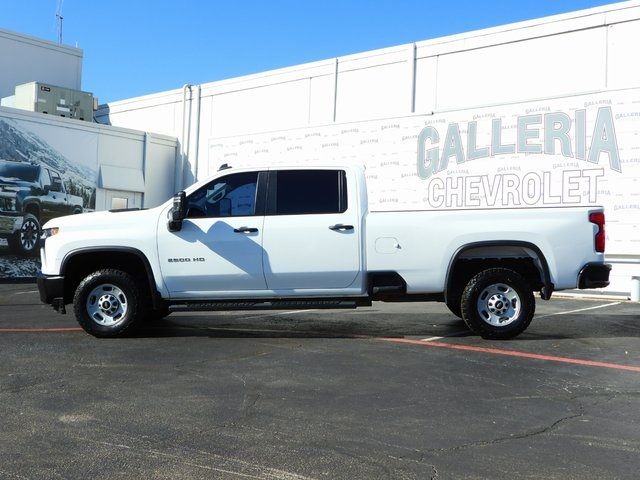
(45, 172)
(579, 150)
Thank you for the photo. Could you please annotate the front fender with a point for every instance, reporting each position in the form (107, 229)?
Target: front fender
(28, 202)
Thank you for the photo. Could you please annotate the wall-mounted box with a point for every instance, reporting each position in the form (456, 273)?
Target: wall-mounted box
(52, 100)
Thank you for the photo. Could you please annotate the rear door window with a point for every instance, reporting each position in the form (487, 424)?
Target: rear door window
(307, 192)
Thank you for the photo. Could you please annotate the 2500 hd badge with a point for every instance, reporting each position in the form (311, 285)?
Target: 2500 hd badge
(186, 259)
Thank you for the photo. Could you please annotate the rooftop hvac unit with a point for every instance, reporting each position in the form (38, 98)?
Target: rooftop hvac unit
(63, 102)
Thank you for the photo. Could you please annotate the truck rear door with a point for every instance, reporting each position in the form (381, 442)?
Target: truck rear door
(311, 236)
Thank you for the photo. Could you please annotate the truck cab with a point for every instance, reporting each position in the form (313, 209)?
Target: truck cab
(288, 232)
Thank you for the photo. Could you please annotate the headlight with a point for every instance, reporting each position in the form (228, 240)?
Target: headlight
(8, 204)
(49, 232)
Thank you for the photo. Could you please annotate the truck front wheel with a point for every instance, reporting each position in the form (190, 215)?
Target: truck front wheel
(26, 241)
(498, 304)
(107, 303)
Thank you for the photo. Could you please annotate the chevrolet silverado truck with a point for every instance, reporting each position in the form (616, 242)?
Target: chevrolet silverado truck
(295, 238)
(29, 196)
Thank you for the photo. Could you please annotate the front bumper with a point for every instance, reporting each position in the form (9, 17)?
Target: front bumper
(51, 288)
(10, 223)
(594, 275)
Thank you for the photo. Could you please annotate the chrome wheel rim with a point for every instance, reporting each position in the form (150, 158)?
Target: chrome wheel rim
(107, 305)
(499, 305)
(29, 235)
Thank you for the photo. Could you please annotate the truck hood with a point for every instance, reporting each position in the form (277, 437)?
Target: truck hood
(107, 221)
(14, 184)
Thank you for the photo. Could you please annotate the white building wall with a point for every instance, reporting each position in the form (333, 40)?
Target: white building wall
(28, 59)
(159, 168)
(100, 156)
(623, 70)
(577, 53)
(543, 67)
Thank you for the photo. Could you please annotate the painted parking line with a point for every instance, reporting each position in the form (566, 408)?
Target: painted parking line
(463, 333)
(578, 310)
(40, 330)
(514, 353)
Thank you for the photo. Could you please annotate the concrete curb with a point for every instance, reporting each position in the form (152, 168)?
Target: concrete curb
(592, 296)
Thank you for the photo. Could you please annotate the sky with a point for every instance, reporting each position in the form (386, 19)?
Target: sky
(138, 47)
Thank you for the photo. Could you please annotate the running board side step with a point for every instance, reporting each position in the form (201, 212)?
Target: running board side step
(221, 305)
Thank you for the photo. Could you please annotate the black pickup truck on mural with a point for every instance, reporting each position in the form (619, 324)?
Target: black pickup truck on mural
(30, 195)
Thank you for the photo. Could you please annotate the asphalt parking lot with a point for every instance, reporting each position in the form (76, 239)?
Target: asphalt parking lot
(398, 391)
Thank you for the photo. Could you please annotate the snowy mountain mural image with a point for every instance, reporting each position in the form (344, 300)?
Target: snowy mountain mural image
(44, 173)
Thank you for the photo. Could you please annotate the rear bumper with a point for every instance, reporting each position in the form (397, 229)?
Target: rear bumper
(51, 288)
(594, 275)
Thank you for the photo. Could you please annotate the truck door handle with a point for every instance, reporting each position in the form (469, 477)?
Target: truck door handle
(245, 230)
(341, 227)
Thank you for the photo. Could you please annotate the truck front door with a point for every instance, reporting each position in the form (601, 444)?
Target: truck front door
(218, 251)
(312, 231)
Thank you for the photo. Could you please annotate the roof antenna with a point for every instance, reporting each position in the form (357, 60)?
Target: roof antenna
(59, 19)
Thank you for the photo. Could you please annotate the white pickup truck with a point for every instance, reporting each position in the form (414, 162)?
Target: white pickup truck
(305, 238)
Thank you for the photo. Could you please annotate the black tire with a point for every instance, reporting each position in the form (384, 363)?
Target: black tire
(26, 241)
(498, 303)
(108, 303)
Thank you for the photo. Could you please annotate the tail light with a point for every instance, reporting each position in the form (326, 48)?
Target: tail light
(598, 219)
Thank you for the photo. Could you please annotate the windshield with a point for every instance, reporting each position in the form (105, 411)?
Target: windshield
(18, 171)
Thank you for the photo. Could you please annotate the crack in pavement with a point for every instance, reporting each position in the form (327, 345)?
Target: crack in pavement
(518, 436)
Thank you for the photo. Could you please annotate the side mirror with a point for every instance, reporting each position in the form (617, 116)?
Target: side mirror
(46, 189)
(177, 212)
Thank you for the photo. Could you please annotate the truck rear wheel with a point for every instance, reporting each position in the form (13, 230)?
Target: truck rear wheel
(497, 304)
(107, 303)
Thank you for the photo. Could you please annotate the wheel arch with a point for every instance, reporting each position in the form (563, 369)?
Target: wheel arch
(485, 252)
(32, 207)
(80, 262)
